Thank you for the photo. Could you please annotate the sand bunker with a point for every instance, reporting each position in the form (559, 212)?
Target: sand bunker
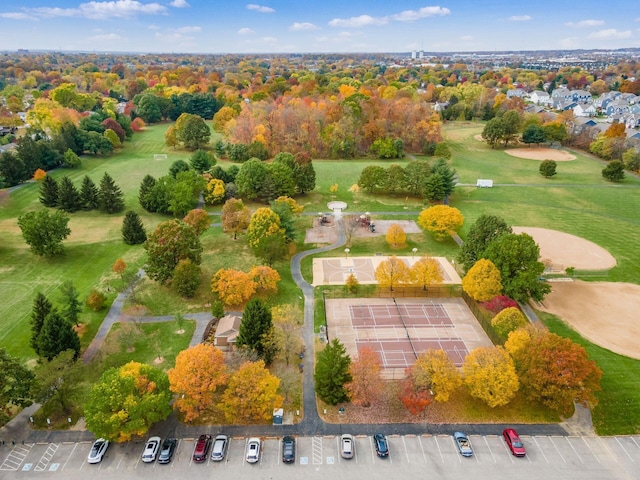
(604, 313)
(540, 153)
(565, 250)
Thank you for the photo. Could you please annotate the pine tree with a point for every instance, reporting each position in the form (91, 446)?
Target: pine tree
(72, 303)
(256, 323)
(148, 182)
(68, 196)
(448, 175)
(41, 308)
(133, 232)
(110, 197)
(57, 335)
(332, 373)
(49, 192)
(89, 193)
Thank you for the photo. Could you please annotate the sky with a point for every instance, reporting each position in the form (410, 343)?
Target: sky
(316, 26)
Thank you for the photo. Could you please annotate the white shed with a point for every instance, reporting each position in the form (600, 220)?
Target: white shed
(484, 183)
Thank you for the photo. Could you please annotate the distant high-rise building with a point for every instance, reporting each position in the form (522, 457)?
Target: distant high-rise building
(413, 55)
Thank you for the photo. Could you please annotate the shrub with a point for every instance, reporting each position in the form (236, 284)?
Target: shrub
(96, 300)
(507, 321)
(499, 303)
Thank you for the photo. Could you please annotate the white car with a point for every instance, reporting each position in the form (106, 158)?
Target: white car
(151, 449)
(98, 449)
(253, 450)
(347, 446)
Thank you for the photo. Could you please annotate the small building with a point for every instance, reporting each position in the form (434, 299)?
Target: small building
(484, 183)
(227, 332)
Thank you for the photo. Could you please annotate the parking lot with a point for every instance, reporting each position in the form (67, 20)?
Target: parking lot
(316, 457)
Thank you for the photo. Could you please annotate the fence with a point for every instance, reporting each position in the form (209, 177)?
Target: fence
(483, 319)
(363, 291)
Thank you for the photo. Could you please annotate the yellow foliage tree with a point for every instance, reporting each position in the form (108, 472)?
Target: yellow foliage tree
(294, 206)
(507, 321)
(287, 320)
(435, 371)
(233, 287)
(483, 281)
(333, 188)
(425, 272)
(199, 372)
(351, 283)
(392, 272)
(490, 375)
(222, 117)
(396, 236)
(265, 278)
(251, 394)
(441, 220)
(366, 384)
(214, 194)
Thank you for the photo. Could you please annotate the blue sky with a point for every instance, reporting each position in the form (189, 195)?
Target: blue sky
(210, 26)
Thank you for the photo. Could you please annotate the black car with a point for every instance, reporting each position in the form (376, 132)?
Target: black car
(288, 449)
(167, 449)
(382, 447)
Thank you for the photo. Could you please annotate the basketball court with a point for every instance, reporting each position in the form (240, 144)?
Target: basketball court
(400, 331)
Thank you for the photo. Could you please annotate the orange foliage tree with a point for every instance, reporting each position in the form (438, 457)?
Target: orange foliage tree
(434, 371)
(199, 219)
(251, 394)
(365, 384)
(392, 272)
(396, 236)
(266, 279)
(414, 397)
(233, 287)
(199, 372)
(235, 216)
(39, 174)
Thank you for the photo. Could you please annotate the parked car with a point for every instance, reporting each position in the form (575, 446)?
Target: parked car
(288, 449)
(98, 449)
(513, 442)
(167, 449)
(463, 443)
(382, 448)
(151, 449)
(347, 446)
(202, 448)
(253, 450)
(219, 449)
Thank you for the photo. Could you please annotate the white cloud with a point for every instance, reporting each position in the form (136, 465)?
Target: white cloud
(17, 16)
(179, 3)
(300, 26)
(106, 37)
(405, 16)
(269, 40)
(188, 29)
(466, 38)
(585, 23)
(245, 31)
(520, 18)
(611, 33)
(345, 35)
(96, 10)
(260, 8)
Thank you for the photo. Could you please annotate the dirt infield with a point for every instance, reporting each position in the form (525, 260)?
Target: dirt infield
(564, 250)
(329, 234)
(604, 313)
(541, 153)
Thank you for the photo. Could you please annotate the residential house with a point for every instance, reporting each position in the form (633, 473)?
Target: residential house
(617, 106)
(603, 100)
(614, 118)
(580, 124)
(516, 92)
(566, 105)
(227, 332)
(632, 120)
(540, 98)
(584, 110)
(581, 96)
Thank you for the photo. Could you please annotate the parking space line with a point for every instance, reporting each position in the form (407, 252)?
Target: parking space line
(541, 450)
(439, 450)
(590, 449)
(69, 457)
(624, 450)
(46, 457)
(455, 446)
(16, 457)
(634, 441)
(406, 452)
(316, 443)
(424, 455)
(574, 450)
(556, 447)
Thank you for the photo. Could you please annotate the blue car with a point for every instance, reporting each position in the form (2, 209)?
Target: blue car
(463, 443)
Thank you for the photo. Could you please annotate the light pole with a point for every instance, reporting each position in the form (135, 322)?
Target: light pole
(346, 253)
(414, 250)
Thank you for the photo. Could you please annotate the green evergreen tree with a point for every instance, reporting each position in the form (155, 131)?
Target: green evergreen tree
(71, 160)
(146, 186)
(177, 167)
(57, 335)
(448, 175)
(201, 161)
(332, 373)
(256, 323)
(41, 308)
(69, 198)
(89, 193)
(133, 232)
(110, 197)
(49, 192)
(433, 189)
(614, 171)
(72, 306)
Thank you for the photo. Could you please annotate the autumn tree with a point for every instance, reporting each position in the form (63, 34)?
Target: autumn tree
(365, 385)
(215, 192)
(287, 320)
(233, 287)
(235, 217)
(351, 283)
(482, 281)
(441, 220)
(255, 329)
(416, 399)
(44, 232)
(434, 370)
(425, 272)
(507, 321)
(392, 272)
(395, 236)
(265, 278)
(39, 175)
(557, 372)
(516, 256)
(490, 375)
(251, 394)
(266, 237)
(199, 372)
(186, 278)
(133, 232)
(171, 242)
(485, 229)
(127, 401)
(332, 373)
(199, 219)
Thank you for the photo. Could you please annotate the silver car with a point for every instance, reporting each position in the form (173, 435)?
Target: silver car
(98, 449)
(219, 449)
(347, 446)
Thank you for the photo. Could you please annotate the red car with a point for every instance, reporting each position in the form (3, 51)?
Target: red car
(513, 442)
(202, 448)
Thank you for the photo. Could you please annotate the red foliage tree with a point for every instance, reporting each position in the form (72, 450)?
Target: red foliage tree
(499, 303)
(415, 398)
(110, 123)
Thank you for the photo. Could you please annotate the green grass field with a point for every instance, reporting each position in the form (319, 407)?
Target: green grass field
(576, 201)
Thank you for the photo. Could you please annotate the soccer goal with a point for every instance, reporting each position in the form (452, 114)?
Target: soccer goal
(159, 156)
